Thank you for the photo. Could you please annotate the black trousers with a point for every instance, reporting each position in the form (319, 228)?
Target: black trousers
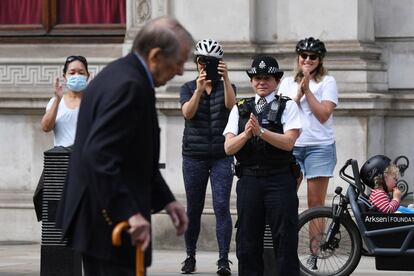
(273, 200)
(97, 267)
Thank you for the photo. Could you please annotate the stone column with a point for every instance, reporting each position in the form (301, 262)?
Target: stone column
(139, 12)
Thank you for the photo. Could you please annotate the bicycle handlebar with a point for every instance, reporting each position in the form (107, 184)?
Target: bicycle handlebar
(354, 181)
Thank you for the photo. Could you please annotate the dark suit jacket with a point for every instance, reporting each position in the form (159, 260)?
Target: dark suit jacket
(113, 171)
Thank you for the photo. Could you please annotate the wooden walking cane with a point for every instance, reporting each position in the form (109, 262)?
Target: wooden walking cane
(116, 241)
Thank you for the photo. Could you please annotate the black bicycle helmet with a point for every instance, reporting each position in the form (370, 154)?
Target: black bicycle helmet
(310, 44)
(373, 167)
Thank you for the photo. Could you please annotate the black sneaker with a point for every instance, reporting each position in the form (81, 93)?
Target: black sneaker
(189, 265)
(223, 267)
(311, 262)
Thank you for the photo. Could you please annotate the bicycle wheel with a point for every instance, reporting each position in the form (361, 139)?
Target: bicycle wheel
(316, 257)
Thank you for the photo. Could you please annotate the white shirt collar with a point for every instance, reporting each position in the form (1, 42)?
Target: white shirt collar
(269, 98)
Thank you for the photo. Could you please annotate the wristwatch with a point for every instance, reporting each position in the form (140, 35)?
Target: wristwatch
(261, 132)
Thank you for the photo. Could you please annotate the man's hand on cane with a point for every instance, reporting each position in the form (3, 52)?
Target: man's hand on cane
(139, 231)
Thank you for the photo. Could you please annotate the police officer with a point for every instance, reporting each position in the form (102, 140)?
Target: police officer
(261, 132)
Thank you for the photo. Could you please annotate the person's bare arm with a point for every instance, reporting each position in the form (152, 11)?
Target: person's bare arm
(229, 94)
(284, 141)
(321, 110)
(234, 143)
(189, 109)
(49, 119)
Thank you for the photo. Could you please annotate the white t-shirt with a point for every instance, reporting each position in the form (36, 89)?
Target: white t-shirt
(313, 132)
(65, 125)
(290, 116)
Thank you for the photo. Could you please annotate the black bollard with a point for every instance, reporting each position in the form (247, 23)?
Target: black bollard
(56, 258)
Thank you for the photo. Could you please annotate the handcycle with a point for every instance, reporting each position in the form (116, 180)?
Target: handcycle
(331, 238)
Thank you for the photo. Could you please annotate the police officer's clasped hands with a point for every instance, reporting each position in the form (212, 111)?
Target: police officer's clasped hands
(253, 126)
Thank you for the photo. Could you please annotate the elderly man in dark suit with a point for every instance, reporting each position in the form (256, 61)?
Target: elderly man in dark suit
(113, 173)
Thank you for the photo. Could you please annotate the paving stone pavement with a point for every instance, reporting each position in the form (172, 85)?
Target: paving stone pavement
(23, 259)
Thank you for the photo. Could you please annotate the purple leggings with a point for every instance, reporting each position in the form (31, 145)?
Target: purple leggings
(196, 173)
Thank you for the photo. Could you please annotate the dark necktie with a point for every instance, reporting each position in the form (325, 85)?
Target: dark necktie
(261, 103)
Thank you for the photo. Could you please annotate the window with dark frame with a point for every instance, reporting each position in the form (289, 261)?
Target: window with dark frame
(62, 21)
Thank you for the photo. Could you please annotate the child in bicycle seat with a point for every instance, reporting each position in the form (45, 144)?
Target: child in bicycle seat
(385, 183)
(381, 175)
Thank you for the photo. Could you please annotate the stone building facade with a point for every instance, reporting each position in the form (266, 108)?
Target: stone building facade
(370, 47)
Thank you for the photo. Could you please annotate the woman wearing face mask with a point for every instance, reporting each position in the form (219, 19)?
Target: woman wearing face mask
(62, 110)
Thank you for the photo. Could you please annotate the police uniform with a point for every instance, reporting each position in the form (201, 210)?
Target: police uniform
(266, 189)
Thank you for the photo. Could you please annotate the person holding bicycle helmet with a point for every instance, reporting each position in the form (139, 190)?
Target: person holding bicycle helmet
(316, 94)
(206, 103)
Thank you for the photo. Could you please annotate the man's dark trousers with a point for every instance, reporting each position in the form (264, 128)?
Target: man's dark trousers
(97, 267)
(267, 199)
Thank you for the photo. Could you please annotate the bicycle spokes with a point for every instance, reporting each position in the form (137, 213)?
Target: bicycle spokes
(320, 255)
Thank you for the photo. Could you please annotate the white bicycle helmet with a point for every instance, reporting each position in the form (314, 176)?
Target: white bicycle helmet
(209, 48)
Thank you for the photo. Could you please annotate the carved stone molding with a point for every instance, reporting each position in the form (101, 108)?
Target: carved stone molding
(143, 11)
(20, 74)
(139, 12)
(33, 75)
(26, 86)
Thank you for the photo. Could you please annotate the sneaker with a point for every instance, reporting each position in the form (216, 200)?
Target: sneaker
(311, 262)
(189, 265)
(223, 267)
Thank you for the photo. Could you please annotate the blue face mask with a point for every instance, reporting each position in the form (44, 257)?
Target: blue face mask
(76, 83)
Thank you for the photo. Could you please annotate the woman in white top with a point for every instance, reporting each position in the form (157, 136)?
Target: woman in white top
(62, 110)
(316, 94)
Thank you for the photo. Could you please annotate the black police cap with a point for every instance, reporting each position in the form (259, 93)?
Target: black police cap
(265, 65)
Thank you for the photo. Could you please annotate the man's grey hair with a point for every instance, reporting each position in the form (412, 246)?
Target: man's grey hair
(162, 32)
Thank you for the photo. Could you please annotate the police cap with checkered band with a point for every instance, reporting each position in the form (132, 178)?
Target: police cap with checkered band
(265, 65)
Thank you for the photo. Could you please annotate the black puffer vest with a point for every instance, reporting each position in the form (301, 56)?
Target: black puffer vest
(203, 134)
(256, 152)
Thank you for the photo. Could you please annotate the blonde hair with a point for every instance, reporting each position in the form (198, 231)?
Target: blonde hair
(379, 181)
(320, 71)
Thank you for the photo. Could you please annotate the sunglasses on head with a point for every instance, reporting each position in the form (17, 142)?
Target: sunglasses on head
(73, 58)
(202, 60)
(311, 56)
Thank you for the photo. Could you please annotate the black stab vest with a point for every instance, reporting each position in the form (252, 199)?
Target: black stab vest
(203, 134)
(256, 152)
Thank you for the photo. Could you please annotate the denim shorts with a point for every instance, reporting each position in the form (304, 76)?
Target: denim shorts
(316, 161)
